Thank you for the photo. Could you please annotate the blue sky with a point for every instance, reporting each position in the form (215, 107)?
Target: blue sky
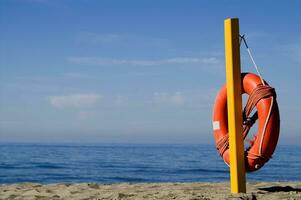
(136, 71)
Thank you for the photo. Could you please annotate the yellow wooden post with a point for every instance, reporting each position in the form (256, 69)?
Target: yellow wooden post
(234, 102)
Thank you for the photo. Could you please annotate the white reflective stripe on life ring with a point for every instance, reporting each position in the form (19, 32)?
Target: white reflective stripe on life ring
(215, 125)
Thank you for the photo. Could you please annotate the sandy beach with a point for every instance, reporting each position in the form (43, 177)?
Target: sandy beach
(189, 191)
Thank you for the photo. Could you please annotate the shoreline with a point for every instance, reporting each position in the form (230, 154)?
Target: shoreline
(129, 191)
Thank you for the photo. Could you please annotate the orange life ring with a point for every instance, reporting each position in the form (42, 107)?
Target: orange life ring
(264, 144)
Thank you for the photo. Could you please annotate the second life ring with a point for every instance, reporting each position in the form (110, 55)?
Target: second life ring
(264, 143)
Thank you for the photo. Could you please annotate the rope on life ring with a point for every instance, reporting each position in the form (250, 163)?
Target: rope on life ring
(263, 97)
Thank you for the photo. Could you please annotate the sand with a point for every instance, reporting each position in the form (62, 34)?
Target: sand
(124, 191)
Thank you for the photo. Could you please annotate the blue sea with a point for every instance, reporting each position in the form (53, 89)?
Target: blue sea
(134, 163)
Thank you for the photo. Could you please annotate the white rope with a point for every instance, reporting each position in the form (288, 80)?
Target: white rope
(242, 38)
(265, 125)
(255, 66)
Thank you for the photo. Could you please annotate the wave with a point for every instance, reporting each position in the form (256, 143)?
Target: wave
(203, 170)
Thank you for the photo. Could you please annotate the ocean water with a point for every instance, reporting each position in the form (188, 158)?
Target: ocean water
(134, 163)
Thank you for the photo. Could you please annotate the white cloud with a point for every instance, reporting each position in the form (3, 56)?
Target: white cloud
(142, 62)
(189, 100)
(9, 122)
(74, 75)
(120, 100)
(98, 38)
(176, 98)
(75, 100)
(298, 54)
(86, 114)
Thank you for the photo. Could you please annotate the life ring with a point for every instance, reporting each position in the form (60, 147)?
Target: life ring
(265, 141)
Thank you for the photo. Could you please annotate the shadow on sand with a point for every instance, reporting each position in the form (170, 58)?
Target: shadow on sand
(280, 189)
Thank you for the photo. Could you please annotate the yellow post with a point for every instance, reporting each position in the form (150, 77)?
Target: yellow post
(234, 102)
